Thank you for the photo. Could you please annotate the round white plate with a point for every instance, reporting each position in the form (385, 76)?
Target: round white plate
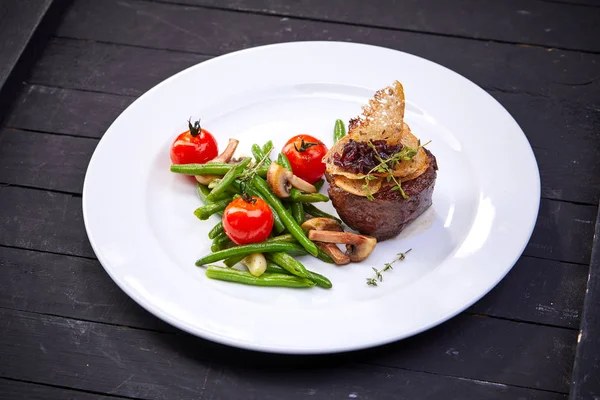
(139, 215)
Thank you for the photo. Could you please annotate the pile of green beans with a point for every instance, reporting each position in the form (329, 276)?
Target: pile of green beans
(288, 240)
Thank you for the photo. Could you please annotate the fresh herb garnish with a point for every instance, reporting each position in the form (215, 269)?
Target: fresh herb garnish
(249, 174)
(386, 267)
(386, 166)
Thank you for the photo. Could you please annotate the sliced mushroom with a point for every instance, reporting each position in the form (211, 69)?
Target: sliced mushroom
(281, 181)
(224, 157)
(331, 249)
(358, 247)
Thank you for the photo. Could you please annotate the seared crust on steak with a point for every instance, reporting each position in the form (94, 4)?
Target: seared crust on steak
(388, 214)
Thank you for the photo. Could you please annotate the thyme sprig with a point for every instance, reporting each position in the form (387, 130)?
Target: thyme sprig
(386, 166)
(386, 267)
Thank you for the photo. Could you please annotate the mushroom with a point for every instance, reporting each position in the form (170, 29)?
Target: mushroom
(224, 157)
(331, 249)
(281, 180)
(358, 247)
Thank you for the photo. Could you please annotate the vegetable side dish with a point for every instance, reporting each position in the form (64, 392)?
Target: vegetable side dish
(380, 178)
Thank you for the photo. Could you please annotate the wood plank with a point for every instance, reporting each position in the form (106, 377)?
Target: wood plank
(547, 122)
(565, 142)
(41, 160)
(586, 373)
(538, 291)
(514, 68)
(100, 67)
(563, 232)
(23, 27)
(41, 220)
(74, 287)
(51, 109)
(145, 364)
(15, 390)
(546, 24)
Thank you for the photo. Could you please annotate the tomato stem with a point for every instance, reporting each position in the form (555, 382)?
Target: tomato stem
(247, 198)
(306, 145)
(195, 129)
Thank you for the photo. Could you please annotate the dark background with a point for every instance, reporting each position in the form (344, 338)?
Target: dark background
(67, 69)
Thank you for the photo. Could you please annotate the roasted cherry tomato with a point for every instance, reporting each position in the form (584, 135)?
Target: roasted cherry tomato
(306, 157)
(194, 146)
(247, 219)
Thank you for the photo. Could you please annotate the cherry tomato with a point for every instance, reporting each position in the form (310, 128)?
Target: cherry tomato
(306, 157)
(247, 219)
(194, 146)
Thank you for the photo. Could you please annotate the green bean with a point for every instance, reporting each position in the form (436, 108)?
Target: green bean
(277, 223)
(267, 147)
(220, 243)
(228, 179)
(211, 169)
(288, 220)
(298, 196)
(214, 232)
(277, 280)
(288, 238)
(289, 263)
(231, 261)
(245, 250)
(284, 161)
(206, 211)
(319, 279)
(221, 238)
(259, 154)
(202, 169)
(319, 184)
(298, 212)
(203, 191)
(339, 130)
(315, 212)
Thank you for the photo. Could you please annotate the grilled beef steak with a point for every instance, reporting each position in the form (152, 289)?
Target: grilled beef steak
(386, 215)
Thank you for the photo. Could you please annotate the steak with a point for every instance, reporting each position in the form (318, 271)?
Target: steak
(388, 214)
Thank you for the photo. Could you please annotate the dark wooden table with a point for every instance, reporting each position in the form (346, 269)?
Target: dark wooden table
(67, 331)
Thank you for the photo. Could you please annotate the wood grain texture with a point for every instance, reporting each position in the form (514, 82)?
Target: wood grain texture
(537, 291)
(24, 27)
(540, 291)
(533, 22)
(514, 68)
(69, 112)
(41, 220)
(41, 160)
(73, 287)
(586, 373)
(15, 390)
(101, 67)
(547, 122)
(145, 364)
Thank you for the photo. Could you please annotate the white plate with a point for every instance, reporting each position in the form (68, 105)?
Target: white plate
(139, 216)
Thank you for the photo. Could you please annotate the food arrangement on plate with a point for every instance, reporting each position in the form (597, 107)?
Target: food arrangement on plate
(380, 179)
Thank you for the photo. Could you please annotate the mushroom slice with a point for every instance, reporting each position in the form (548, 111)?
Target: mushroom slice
(358, 247)
(331, 249)
(321, 224)
(281, 181)
(224, 157)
